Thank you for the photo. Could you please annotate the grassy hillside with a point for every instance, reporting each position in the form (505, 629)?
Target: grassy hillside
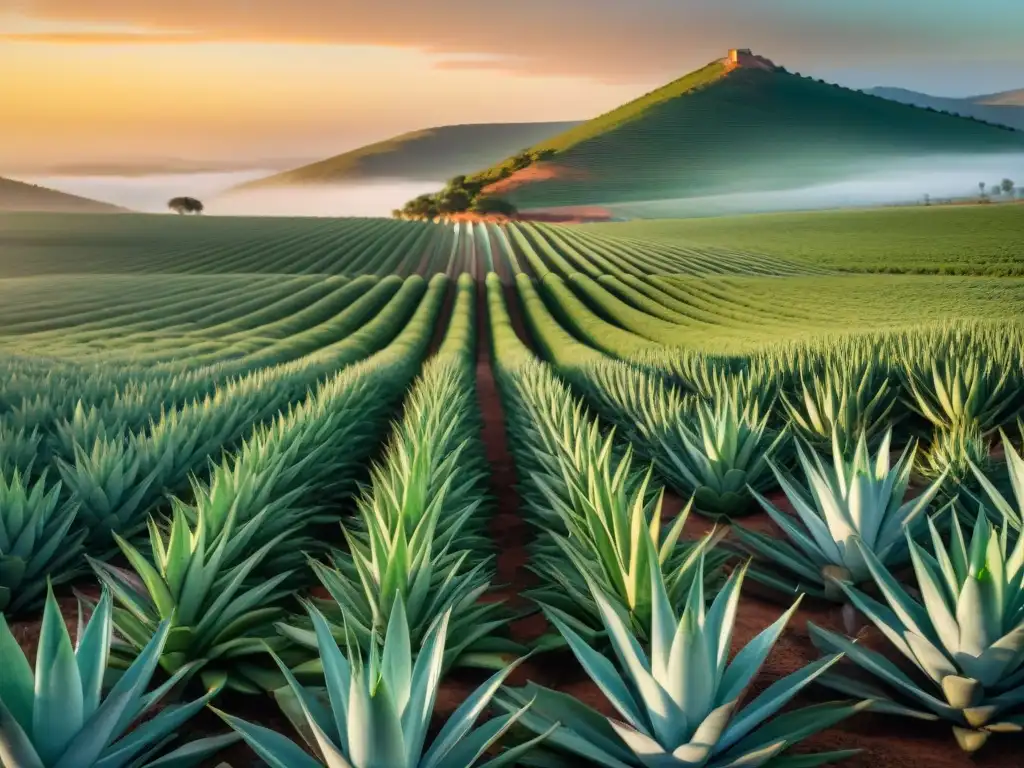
(433, 154)
(1002, 108)
(18, 196)
(963, 239)
(714, 132)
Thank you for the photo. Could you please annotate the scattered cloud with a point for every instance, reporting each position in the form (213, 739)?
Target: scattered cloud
(608, 40)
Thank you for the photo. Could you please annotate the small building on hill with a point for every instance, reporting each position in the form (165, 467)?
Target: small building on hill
(744, 57)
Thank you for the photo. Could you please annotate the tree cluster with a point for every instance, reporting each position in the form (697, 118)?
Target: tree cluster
(1005, 187)
(458, 196)
(462, 195)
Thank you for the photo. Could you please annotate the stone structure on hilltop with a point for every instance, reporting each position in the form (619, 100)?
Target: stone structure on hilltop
(744, 57)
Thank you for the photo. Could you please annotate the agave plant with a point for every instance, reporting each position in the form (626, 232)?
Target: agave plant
(36, 542)
(836, 402)
(680, 703)
(606, 515)
(418, 534)
(376, 710)
(719, 457)
(950, 456)
(993, 497)
(60, 718)
(961, 391)
(860, 499)
(112, 491)
(19, 450)
(965, 635)
(366, 584)
(220, 624)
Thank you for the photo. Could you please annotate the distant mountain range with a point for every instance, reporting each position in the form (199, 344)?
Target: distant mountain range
(18, 196)
(433, 154)
(1006, 108)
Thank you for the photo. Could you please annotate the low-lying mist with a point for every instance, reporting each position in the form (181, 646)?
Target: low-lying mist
(895, 182)
(898, 182)
(149, 194)
(378, 198)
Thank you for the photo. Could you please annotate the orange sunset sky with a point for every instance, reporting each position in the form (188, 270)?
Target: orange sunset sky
(244, 80)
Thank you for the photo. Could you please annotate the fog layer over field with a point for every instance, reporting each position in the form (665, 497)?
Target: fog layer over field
(149, 194)
(378, 198)
(904, 181)
(899, 181)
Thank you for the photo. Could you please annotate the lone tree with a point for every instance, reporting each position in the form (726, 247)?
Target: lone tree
(1007, 186)
(183, 205)
(981, 188)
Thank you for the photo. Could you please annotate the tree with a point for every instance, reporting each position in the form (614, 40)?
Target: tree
(183, 205)
(927, 199)
(454, 201)
(1007, 186)
(995, 189)
(495, 205)
(981, 187)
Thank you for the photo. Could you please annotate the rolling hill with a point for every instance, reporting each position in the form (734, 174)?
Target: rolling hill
(18, 196)
(732, 128)
(432, 154)
(1005, 108)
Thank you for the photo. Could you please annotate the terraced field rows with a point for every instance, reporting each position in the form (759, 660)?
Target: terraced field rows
(531, 438)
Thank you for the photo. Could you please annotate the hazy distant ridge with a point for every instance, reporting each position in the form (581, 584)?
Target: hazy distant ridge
(433, 154)
(18, 196)
(1006, 108)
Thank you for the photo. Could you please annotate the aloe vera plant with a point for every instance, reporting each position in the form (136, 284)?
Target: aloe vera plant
(964, 635)
(36, 541)
(680, 701)
(720, 455)
(376, 708)
(859, 499)
(60, 716)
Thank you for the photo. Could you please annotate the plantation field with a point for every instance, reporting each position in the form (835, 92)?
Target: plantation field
(410, 494)
(968, 239)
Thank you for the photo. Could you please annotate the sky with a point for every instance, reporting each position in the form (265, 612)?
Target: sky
(260, 80)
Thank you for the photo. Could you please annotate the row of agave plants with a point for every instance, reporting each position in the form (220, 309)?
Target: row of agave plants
(114, 479)
(855, 532)
(215, 589)
(711, 423)
(648, 615)
(719, 429)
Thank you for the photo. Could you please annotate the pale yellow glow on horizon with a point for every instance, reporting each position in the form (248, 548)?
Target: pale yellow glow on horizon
(133, 100)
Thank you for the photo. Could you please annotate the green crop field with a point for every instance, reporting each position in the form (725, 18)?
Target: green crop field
(963, 239)
(379, 493)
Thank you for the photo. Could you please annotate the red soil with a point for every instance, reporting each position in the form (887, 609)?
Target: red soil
(531, 174)
(580, 214)
(583, 214)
